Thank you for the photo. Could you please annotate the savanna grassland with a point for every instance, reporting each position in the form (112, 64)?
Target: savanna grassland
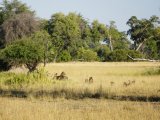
(124, 91)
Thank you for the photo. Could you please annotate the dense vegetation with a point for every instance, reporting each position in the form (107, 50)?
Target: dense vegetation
(25, 39)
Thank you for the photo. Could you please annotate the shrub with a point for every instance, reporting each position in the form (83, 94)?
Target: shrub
(122, 55)
(87, 55)
(153, 71)
(134, 54)
(117, 55)
(21, 79)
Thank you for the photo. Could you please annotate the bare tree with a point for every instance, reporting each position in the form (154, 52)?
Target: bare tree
(20, 25)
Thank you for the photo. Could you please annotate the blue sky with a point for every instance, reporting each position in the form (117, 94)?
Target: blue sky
(103, 10)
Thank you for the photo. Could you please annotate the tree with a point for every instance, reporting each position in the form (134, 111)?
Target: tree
(25, 51)
(65, 32)
(16, 21)
(21, 25)
(98, 31)
(141, 30)
(9, 8)
(87, 55)
(43, 38)
(116, 39)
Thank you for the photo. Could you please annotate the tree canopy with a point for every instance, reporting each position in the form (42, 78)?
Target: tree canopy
(26, 39)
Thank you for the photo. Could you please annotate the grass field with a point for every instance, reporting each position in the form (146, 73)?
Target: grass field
(87, 109)
(75, 99)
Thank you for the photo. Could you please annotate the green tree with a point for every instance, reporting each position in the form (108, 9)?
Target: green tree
(65, 32)
(102, 52)
(141, 30)
(44, 39)
(87, 55)
(25, 51)
(98, 31)
(116, 39)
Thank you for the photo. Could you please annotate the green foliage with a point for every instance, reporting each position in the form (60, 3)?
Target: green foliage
(98, 31)
(117, 55)
(150, 49)
(153, 71)
(121, 55)
(21, 79)
(102, 52)
(87, 55)
(134, 54)
(64, 56)
(141, 30)
(25, 51)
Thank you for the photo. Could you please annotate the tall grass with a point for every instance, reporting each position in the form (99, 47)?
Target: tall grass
(60, 109)
(41, 83)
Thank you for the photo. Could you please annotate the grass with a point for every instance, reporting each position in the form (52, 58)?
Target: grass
(87, 109)
(70, 99)
(109, 79)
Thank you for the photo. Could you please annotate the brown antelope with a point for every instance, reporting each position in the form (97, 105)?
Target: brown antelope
(86, 80)
(89, 80)
(133, 81)
(62, 76)
(126, 83)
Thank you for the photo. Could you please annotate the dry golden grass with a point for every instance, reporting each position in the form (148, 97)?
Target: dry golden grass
(60, 109)
(105, 73)
(108, 78)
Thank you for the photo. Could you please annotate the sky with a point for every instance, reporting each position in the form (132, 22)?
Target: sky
(102, 10)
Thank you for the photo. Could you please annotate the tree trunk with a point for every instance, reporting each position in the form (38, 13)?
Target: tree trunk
(142, 43)
(110, 43)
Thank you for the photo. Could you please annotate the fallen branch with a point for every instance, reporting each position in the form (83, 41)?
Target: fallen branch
(142, 59)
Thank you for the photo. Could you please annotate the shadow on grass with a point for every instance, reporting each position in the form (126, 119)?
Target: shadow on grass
(72, 95)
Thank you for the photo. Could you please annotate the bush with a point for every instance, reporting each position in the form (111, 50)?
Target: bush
(21, 79)
(122, 55)
(153, 71)
(87, 55)
(117, 55)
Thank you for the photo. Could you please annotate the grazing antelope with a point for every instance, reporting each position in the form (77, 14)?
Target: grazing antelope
(55, 76)
(126, 83)
(133, 81)
(62, 76)
(86, 80)
(89, 80)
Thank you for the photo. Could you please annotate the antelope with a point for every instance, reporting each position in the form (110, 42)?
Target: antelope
(89, 80)
(126, 84)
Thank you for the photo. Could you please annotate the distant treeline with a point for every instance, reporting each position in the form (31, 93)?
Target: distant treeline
(26, 39)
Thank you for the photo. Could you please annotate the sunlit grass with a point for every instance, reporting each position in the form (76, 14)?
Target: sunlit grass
(108, 80)
(60, 109)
